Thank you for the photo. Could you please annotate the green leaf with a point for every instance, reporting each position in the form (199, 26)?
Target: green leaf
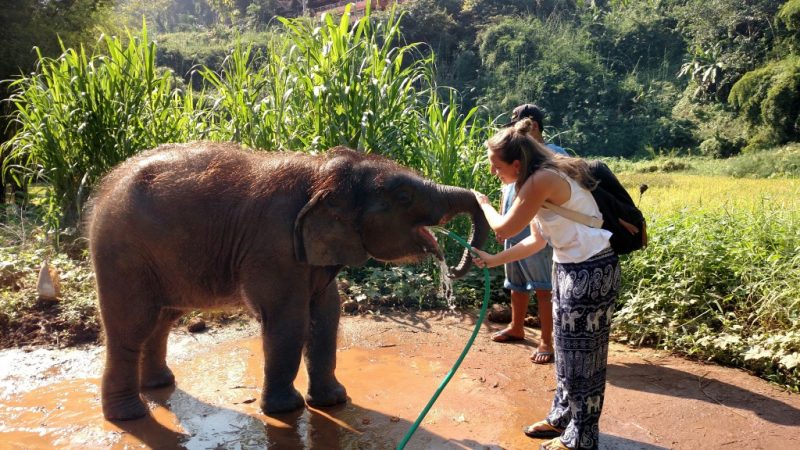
(791, 361)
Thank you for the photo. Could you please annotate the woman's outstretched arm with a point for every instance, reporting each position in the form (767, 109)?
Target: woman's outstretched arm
(526, 247)
(537, 188)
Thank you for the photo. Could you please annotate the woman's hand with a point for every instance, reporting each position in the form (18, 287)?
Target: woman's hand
(483, 259)
(481, 198)
(484, 200)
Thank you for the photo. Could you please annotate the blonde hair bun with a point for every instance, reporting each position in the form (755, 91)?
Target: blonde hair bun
(524, 126)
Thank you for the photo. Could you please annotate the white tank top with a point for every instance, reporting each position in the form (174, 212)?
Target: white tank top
(573, 242)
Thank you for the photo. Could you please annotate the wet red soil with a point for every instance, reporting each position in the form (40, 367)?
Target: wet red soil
(391, 365)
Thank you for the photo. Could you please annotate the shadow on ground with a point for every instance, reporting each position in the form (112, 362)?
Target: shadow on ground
(655, 378)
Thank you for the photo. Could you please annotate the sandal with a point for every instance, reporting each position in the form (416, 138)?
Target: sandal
(503, 336)
(542, 430)
(542, 357)
(553, 444)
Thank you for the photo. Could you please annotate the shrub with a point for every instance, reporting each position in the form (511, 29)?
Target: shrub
(720, 147)
(710, 120)
(721, 284)
(777, 163)
(674, 134)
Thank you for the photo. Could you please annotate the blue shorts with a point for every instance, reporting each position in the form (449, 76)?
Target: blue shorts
(532, 273)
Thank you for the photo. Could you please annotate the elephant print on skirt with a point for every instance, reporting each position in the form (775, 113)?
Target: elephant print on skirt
(584, 293)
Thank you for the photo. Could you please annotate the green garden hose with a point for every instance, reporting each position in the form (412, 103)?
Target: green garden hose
(452, 372)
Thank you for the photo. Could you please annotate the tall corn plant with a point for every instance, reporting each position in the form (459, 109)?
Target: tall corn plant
(448, 149)
(79, 115)
(354, 86)
(450, 144)
(250, 96)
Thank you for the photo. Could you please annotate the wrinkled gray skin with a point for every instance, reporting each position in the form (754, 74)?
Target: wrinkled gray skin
(204, 225)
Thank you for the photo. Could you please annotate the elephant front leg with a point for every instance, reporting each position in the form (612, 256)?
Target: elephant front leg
(284, 321)
(323, 387)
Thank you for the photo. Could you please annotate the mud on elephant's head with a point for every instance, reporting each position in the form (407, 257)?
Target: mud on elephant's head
(364, 206)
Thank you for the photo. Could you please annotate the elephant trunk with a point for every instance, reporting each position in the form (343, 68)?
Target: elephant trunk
(457, 201)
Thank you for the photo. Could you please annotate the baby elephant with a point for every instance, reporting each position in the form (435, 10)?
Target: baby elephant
(203, 225)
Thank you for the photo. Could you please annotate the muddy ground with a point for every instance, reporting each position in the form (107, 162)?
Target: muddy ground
(391, 365)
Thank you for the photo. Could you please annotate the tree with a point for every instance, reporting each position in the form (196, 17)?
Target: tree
(769, 98)
(726, 39)
(430, 22)
(789, 17)
(157, 13)
(556, 66)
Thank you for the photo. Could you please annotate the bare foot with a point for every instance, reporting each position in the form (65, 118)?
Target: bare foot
(506, 335)
(542, 430)
(543, 355)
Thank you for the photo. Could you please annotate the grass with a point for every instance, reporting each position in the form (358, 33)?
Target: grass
(781, 162)
(679, 191)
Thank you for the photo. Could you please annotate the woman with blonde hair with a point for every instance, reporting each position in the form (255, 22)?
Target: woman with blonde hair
(586, 277)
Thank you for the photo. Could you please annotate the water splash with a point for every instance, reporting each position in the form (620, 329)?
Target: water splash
(445, 282)
(446, 286)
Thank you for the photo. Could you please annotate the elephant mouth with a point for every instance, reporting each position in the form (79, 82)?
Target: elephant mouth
(427, 242)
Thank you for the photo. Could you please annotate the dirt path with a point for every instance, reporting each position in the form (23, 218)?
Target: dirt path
(391, 365)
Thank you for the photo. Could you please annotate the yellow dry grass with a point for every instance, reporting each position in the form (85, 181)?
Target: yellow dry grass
(674, 192)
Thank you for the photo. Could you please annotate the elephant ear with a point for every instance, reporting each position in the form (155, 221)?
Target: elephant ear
(325, 233)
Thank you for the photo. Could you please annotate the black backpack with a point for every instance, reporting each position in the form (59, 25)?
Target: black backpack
(620, 215)
(616, 205)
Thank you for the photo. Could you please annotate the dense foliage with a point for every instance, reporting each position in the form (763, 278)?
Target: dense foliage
(312, 87)
(25, 24)
(769, 99)
(617, 78)
(705, 289)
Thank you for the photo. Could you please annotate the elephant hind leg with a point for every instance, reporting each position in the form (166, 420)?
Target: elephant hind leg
(120, 384)
(282, 350)
(130, 315)
(154, 370)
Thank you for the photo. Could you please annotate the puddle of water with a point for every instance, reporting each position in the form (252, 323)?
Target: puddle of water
(23, 370)
(216, 405)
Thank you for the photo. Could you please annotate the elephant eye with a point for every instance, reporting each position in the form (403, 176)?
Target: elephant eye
(403, 197)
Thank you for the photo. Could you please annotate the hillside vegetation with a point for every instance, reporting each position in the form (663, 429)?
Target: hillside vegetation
(618, 78)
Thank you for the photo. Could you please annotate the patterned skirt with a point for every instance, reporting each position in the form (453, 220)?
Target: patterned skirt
(583, 305)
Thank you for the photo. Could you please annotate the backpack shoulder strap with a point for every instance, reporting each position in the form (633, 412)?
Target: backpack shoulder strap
(608, 181)
(575, 216)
